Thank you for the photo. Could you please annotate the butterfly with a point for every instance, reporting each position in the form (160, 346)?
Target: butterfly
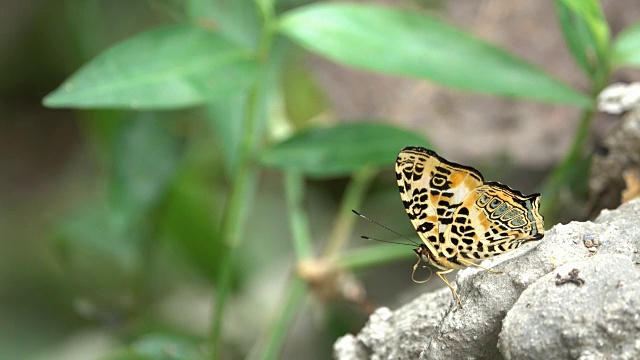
(459, 217)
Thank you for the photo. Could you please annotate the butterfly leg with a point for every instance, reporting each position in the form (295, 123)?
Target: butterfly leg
(415, 267)
(455, 294)
(471, 263)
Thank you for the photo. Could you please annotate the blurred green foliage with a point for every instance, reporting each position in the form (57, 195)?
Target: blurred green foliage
(182, 121)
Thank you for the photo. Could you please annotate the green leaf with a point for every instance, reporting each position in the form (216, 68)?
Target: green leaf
(626, 47)
(159, 346)
(188, 220)
(95, 237)
(412, 44)
(304, 99)
(587, 34)
(170, 67)
(340, 150)
(146, 155)
(111, 230)
(226, 118)
(229, 118)
(162, 347)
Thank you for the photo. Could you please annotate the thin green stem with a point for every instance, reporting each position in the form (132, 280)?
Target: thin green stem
(242, 187)
(562, 173)
(294, 188)
(272, 340)
(270, 345)
(223, 284)
(352, 198)
(266, 38)
(243, 184)
(242, 190)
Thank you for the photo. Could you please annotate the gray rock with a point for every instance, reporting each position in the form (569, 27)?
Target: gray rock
(599, 318)
(521, 313)
(396, 335)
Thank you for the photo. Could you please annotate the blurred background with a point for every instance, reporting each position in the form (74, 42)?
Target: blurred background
(109, 219)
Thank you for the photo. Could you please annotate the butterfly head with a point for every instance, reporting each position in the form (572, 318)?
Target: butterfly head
(423, 252)
(423, 255)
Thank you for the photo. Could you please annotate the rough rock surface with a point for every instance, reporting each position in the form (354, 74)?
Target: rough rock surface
(534, 309)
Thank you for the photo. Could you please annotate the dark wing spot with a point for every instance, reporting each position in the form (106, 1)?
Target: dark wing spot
(443, 170)
(425, 227)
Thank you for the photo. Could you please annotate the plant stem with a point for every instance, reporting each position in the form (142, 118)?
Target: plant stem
(243, 182)
(273, 338)
(562, 173)
(352, 198)
(294, 188)
(242, 189)
(270, 346)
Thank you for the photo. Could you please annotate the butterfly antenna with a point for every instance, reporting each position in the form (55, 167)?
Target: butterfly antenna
(386, 241)
(384, 227)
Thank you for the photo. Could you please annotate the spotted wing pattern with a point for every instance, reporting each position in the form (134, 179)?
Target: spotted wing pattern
(459, 216)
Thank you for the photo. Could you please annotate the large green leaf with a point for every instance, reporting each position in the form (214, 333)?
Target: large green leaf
(146, 155)
(412, 44)
(95, 238)
(170, 67)
(111, 230)
(626, 48)
(587, 34)
(340, 150)
(188, 220)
